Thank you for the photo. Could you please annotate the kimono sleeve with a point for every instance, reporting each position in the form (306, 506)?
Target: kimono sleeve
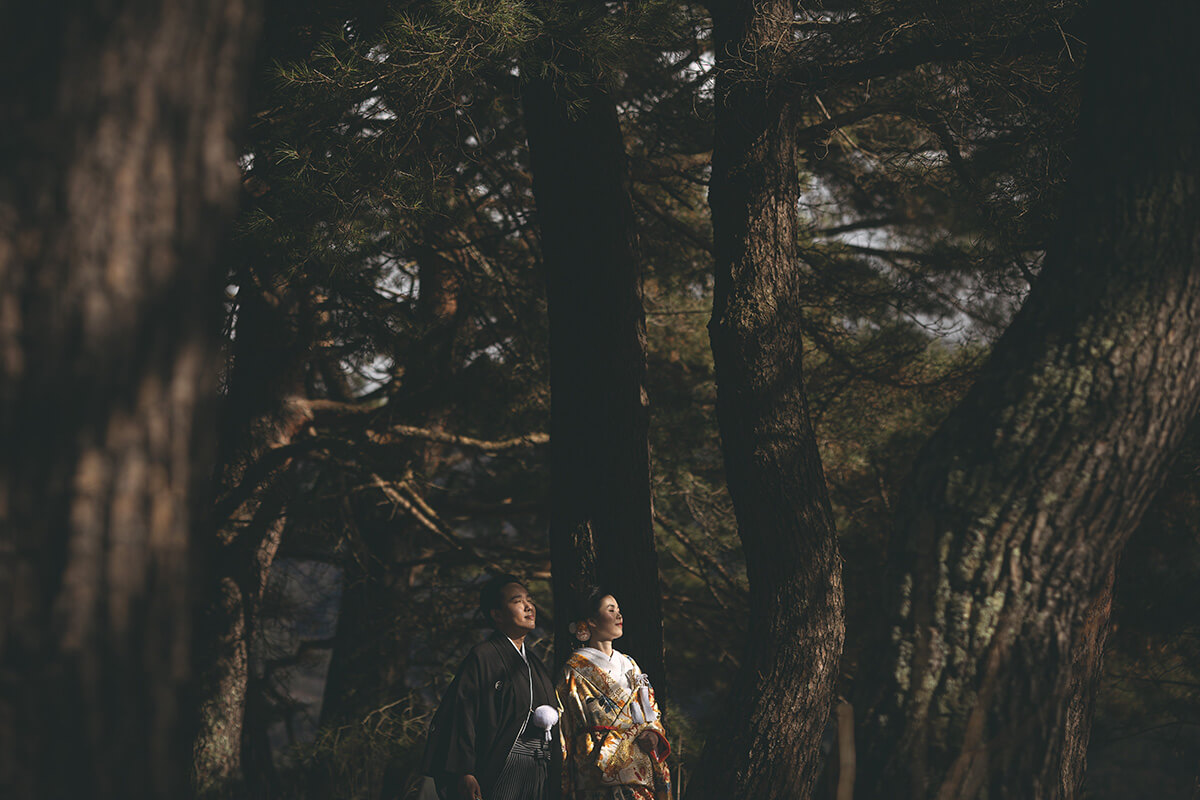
(577, 746)
(451, 747)
(664, 749)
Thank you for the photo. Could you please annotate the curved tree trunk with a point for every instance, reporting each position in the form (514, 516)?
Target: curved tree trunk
(766, 744)
(1018, 507)
(599, 409)
(117, 177)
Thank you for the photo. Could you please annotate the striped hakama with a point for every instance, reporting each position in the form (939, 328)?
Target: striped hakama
(526, 771)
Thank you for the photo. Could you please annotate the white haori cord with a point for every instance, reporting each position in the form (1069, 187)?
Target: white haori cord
(642, 711)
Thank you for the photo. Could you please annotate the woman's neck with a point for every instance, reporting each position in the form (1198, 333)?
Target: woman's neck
(603, 646)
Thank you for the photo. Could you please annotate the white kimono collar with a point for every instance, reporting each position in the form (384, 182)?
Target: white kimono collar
(616, 667)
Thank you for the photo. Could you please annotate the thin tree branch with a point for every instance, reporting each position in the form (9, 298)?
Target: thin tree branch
(410, 432)
(814, 133)
(420, 512)
(670, 221)
(818, 76)
(700, 555)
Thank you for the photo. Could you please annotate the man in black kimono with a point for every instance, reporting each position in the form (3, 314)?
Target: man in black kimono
(484, 741)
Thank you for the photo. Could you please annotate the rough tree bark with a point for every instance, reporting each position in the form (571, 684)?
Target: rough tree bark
(599, 410)
(1086, 669)
(117, 177)
(1019, 506)
(766, 745)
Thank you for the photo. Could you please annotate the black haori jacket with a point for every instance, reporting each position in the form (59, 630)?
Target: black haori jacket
(482, 713)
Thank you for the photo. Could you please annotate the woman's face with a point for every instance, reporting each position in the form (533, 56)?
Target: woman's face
(607, 624)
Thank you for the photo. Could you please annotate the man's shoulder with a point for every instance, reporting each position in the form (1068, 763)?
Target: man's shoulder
(494, 651)
(481, 652)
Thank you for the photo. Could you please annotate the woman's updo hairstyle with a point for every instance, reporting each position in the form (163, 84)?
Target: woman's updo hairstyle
(490, 598)
(585, 606)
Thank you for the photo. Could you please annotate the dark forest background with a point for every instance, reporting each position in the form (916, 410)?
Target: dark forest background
(521, 286)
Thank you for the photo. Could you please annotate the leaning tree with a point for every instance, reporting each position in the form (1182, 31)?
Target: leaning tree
(1017, 509)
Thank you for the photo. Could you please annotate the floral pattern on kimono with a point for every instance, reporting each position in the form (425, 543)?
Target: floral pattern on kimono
(600, 724)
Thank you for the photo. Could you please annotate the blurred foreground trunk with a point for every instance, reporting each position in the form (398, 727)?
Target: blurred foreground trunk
(117, 179)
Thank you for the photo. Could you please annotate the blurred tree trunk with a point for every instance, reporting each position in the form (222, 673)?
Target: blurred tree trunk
(264, 410)
(1018, 507)
(118, 176)
(599, 409)
(766, 745)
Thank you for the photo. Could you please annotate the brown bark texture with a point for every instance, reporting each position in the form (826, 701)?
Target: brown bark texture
(117, 179)
(1087, 662)
(767, 744)
(1019, 505)
(599, 408)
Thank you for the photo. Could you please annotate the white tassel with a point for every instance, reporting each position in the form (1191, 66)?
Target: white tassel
(643, 710)
(545, 717)
(644, 697)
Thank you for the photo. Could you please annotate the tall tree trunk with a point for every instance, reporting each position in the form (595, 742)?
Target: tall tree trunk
(264, 410)
(599, 409)
(1019, 506)
(117, 176)
(767, 744)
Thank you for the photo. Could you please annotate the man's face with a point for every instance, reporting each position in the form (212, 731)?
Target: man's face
(516, 613)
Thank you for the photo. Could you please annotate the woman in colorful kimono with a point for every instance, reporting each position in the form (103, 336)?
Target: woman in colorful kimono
(614, 745)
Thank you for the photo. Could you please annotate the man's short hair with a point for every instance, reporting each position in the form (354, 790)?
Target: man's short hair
(489, 595)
